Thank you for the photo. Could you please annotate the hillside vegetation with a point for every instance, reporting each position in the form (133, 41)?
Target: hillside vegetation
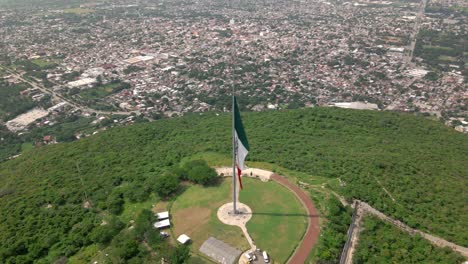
(414, 169)
(380, 242)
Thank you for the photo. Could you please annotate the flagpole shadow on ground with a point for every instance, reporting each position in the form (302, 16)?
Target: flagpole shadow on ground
(281, 214)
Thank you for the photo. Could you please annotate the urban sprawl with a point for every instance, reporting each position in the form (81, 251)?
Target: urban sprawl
(153, 59)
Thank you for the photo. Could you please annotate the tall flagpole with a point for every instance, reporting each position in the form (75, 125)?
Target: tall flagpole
(233, 155)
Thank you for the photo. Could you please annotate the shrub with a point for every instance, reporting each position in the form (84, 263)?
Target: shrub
(166, 184)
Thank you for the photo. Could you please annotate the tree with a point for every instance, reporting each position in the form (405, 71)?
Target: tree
(143, 223)
(180, 255)
(115, 203)
(202, 175)
(153, 237)
(99, 80)
(431, 76)
(166, 184)
(199, 172)
(136, 193)
(126, 247)
(104, 233)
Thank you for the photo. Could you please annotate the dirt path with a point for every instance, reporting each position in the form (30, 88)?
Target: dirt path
(353, 236)
(313, 230)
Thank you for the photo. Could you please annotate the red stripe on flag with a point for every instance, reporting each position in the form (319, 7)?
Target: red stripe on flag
(239, 177)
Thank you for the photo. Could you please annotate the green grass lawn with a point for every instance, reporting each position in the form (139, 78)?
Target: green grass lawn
(26, 146)
(84, 255)
(131, 210)
(447, 58)
(43, 63)
(99, 92)
(437, 48)
(194, 213)
(279, 220)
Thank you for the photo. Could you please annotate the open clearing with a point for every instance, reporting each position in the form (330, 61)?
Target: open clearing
(438, 48)
(43, 63)
(447, 58)
(194, 213)
(279, 219)
(23, 120)
(131, 210)
(100, 92)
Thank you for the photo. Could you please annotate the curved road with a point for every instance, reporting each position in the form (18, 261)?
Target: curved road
(313, 229)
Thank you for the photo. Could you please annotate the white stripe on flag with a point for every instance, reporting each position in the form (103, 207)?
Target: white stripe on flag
(241, 153)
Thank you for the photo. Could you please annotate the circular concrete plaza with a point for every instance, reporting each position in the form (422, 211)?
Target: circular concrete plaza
(226, 215)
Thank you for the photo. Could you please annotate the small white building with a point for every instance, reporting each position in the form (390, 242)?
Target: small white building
(162, 224)
(162, 215)
(183, 239)
(81, 82)
(138, 59)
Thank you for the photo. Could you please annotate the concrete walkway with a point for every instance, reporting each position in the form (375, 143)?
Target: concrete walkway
(263, 175)
(225, 215)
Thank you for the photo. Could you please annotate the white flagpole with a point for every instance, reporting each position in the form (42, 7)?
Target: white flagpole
(233, 155)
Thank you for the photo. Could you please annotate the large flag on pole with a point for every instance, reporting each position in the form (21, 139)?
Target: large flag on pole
(241, 143)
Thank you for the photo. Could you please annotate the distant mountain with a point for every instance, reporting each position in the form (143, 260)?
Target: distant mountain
(409, 167)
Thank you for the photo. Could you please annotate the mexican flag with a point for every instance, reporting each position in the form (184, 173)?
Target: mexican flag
(241, 144)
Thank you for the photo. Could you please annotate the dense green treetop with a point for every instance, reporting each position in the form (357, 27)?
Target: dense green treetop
(380, 242)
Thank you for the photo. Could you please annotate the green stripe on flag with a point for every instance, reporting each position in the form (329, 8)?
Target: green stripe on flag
(239, 127)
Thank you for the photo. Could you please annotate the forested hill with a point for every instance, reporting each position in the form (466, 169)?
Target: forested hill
(421, 164)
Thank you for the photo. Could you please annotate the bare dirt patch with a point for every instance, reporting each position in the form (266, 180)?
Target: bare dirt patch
(159, 207)
(187, 221)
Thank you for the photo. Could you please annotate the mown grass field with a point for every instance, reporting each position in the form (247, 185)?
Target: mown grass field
(437, 48)
(99, 92)
(279, 220)
(43, 63)
(194, 214)
(447, 58)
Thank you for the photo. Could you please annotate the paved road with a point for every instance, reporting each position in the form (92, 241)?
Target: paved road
(409, 54)
(313, 230)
